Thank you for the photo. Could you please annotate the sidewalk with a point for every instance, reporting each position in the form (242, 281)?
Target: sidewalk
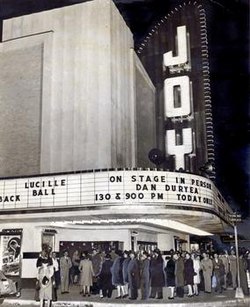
(74, 299)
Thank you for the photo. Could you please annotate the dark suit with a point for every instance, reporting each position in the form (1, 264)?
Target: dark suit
(133, 278)
(144, 278)
(157, 277)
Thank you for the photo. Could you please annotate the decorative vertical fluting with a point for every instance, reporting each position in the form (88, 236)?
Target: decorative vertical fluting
(207, 89)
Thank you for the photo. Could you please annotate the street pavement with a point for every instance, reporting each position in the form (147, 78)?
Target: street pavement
(74, 299)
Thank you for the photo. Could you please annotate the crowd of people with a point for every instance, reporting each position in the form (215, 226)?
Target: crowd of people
(100, 273)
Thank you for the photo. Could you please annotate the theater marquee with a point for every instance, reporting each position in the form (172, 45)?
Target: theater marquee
(110, 187)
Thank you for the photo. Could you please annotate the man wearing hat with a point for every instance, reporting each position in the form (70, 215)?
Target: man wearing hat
(106, 276)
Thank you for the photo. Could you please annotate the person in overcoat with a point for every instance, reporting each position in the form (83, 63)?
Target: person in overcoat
(197, 269)
(125, 272)
(86, 274)
(224, 258)
(97, 265)
(157, 275)
(44, 277)
(105, 277)
(74, 271)
(243, 274)
(170, 275)
(144, 275)
(189, 274)
(65, 265)
(207, 269)
(179, 274)
(219, 271)
(133, 275)
(117, 276)
(233, 267)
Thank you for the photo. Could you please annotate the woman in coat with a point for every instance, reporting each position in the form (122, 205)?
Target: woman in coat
(133, 276)
(170, 275)
(44, 277)
(197, 268)
(86, 274)
(189, 274)
(179, 274)
(117, 276)
(157, 275)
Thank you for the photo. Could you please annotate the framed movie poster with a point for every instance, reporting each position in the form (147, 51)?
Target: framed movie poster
(48, 241)
(10, 253)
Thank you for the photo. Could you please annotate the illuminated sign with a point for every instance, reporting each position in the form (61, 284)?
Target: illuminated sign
(175, 55)
(177, 95)
(110, 187)
(181, 57)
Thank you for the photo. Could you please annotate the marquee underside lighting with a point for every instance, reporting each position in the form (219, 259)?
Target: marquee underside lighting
(167, 224)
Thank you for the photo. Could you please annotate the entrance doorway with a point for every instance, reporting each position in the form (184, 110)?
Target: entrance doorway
(87, 246)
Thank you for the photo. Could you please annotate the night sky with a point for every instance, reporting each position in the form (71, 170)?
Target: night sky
(228, 37)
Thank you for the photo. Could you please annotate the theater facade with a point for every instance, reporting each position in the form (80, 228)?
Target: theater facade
(81, 109)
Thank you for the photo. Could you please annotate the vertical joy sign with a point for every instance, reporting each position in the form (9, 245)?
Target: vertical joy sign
(177, 100)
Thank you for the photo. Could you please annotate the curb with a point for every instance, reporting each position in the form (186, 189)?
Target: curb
(227, 303)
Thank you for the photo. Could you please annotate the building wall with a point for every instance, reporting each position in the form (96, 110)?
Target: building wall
(145, 114)
(20, 108)
(166, 241)
(87, 93)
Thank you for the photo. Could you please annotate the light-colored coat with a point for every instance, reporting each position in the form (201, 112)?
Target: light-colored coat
(45, 292)
(87, 272)
(207, 268)
(197, 268)
(225, 262)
